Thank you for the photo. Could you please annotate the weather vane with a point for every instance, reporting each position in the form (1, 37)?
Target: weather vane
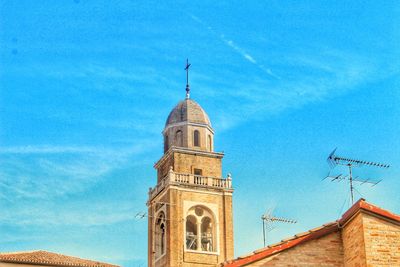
(187, 78)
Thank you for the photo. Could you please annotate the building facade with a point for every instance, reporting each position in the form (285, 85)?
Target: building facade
(190, 207)
(366, 235)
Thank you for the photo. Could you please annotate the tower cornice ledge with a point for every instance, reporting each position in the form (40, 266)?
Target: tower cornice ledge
(184, 123)
(188, 151)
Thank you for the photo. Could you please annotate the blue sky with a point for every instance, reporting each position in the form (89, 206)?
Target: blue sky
(86, 87)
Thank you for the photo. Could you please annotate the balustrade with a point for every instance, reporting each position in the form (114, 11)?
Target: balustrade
(184, 178)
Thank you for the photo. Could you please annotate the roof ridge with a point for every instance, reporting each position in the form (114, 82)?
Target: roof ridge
(50, 258)
(19, 252)
(287, 243)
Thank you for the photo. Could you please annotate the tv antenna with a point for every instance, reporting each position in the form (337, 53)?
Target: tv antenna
(269, 221)
(334, 160)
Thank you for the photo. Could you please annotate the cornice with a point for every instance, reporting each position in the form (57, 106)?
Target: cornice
(188, 151)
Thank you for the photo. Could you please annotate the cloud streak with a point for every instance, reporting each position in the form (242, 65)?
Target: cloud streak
(322, 75)
(247, 56)
(48, 149)
(71, 214)
(230, 43)
(46, 172)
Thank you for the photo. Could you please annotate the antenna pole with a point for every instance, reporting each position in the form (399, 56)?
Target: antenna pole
(351, 184)
(268, 221)
(334, 160)
(264, 232)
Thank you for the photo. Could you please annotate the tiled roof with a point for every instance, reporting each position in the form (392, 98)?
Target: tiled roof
(365, 206)
(49, 258)
(315, 233)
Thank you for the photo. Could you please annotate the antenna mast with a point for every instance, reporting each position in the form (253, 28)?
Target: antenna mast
(334, 160)
(268, 220)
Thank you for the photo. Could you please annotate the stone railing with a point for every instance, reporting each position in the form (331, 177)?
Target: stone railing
(191, 179)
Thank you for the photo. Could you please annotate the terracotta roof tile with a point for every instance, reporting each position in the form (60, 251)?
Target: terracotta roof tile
(49, 258)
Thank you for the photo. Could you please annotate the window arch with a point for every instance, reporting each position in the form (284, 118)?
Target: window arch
(179, 138)
(196, 138)
(159, 237)
(200, 229)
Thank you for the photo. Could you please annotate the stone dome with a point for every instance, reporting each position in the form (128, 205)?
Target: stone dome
(188, 111)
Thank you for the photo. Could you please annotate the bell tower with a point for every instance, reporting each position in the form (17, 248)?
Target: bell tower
(190, 207)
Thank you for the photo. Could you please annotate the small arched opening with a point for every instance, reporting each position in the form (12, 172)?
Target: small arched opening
(196, 138)
(166, 145)
(159, 237)
(179, 138)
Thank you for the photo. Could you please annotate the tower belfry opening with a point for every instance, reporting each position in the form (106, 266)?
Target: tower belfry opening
(190, 207)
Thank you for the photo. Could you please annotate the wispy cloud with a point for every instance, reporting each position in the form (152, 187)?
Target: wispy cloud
(310, 74)
(230, 43)
(82, 214)
(320, 75)
(45, 172)
(247, 56)
(49, 149)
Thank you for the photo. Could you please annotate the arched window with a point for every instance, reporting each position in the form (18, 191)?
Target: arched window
(196, 138)
(200, 229)
(159, 238)
(165, 143)
(179, 138)
(191, 232)
(209, 143)
(206, 234)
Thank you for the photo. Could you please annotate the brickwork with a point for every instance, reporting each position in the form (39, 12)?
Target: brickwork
(176, 255)
(163, 170)
(382, 241)
(152, 211)
(184, 158)
(353, 242)
(228, 224)
(178, 239)
(371, 241)
(186, 163)
(324, 251)
(366, 235)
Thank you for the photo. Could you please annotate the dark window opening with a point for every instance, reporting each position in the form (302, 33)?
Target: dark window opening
(165, 143)
(196, 138)
(198, 172)
(179, 138)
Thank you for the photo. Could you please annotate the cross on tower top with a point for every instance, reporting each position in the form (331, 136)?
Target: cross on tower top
(187, 78)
